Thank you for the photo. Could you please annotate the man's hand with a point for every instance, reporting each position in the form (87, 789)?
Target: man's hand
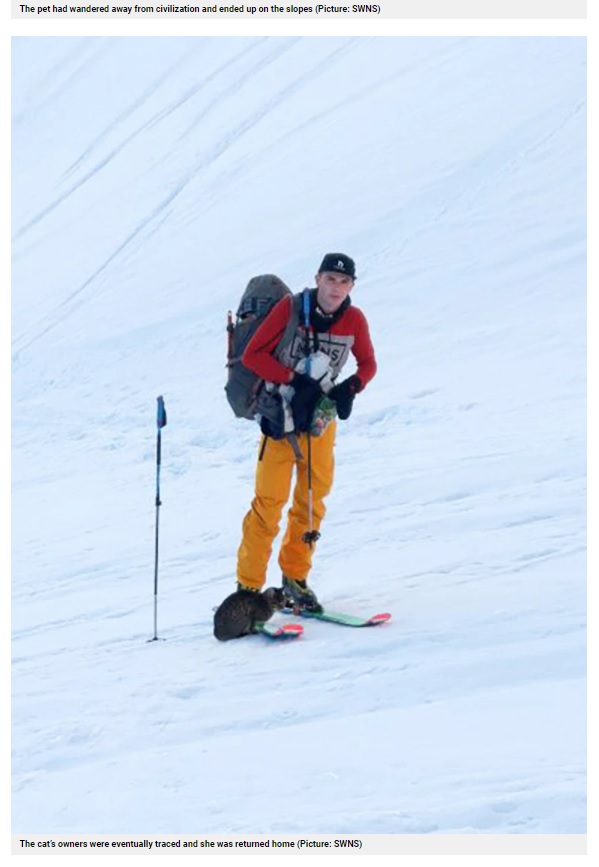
(307, 394)
(343, 395)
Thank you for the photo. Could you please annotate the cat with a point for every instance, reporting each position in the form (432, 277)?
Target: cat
(238, 614)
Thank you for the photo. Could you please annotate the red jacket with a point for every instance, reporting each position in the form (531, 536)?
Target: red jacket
(352, 323)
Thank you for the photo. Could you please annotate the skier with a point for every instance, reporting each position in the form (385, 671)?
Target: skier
(331, 329)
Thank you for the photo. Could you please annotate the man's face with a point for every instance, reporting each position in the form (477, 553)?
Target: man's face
(333, 289)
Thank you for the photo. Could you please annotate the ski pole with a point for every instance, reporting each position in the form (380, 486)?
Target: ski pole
(311, 535)
(160, 423)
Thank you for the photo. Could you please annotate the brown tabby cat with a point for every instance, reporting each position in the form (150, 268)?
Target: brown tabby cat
(238, 614)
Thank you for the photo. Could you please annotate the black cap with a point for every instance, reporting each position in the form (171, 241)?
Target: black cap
(339, 263)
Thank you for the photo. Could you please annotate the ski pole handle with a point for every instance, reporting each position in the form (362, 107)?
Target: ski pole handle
(160, 423)
(161, 413)
(306, 300)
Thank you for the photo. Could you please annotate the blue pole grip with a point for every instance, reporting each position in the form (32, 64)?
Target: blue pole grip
(307, 309)
(307, 324)
(161, 413)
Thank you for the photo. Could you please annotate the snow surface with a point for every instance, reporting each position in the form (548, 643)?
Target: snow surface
(151, 179)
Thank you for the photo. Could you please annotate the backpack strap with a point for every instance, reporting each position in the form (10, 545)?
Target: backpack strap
(297, 303)
(291, 327)
(292, 438)
(295, 446)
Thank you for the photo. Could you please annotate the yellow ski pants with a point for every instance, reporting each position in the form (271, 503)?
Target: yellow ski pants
(274, 475)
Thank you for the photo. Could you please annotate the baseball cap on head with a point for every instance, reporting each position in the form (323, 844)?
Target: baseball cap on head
(339, 263)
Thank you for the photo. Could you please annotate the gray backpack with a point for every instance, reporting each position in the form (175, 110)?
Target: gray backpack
(244, 389)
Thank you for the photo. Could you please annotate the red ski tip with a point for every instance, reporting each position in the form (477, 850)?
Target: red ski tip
(379, 618)
(288, 630)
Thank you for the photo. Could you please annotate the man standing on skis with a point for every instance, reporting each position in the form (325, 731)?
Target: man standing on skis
(329, 328)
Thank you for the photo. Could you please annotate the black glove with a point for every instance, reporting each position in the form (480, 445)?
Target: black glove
(343, 395)
(307, 393)
(272, 422)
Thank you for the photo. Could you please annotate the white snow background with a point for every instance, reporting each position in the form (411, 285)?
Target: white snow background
(151, 179)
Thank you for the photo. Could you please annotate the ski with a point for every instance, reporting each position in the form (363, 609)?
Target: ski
(342, 619)
(285, 630)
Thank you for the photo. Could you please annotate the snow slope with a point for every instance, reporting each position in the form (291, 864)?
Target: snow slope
(151, 179)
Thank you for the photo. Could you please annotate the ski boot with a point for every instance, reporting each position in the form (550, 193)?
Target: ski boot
(299, 595)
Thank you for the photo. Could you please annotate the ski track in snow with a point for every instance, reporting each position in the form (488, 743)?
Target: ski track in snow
(459, 496)
(59, 315)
